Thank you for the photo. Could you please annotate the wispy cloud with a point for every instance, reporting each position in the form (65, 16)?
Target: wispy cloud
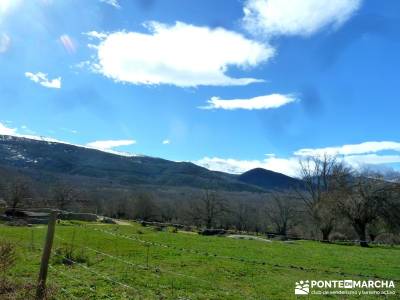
(27, 130)
(260, 102)
(183, 55)
(41, 78)
(300, 17)
(5, 42)
(362, 148)
(5, 130)
(73, 131)
(166, 142)
(114, 3)
(110, 144)
(105, 146)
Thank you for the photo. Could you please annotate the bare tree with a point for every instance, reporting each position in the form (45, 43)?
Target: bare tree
(64, 195)
(281, 212)
(169, 210)
(242, 215)
(18, 192)
(321, 177)
(2, 188)
(390, 214)
(145, 208)
(370, 199)
(208, 209)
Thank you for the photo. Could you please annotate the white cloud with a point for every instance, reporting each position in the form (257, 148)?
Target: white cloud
(42, 79)
(371, 159)
(356, 155)
(112, 3)
(166, 142)
(105, 146)
(27, 130)
(110, 144)
(181, 54)
(95, 35)
(288, 166)
(299, 17)
(260, 102)
(362, 148)
(6, 130)
(5, 42)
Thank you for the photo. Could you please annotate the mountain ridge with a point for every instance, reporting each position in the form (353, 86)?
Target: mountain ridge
(66, 159)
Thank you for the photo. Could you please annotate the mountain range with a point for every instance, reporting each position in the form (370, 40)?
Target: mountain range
(49, 160)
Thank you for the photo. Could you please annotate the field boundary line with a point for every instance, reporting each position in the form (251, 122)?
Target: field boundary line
(201, 253)
(145, 268)
(98, 273)
(76, 280)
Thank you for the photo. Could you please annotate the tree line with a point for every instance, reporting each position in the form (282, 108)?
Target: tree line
(332, 202)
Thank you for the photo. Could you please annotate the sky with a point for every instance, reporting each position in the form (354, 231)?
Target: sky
(229, 85)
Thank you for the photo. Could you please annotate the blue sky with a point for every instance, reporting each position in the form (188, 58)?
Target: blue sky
(230, 85)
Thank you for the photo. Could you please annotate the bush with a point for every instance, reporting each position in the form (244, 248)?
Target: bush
(388, 238)
(67, 256)
(17, 222)
(172, 229)
(108, 221)
(26, 290)
(157, 228)
(337, 236)
(7, 261)
(212, 232)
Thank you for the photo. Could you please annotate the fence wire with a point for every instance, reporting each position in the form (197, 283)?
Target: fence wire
(239, 259)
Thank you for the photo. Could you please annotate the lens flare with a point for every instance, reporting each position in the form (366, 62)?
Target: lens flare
(6, 5)
(68, 43)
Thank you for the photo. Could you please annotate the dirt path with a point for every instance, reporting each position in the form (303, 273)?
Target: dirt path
(125, 223)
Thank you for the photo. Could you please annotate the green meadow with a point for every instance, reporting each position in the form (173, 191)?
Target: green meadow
(98, 261)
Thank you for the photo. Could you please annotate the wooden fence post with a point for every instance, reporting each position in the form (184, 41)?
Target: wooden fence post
(44, 265)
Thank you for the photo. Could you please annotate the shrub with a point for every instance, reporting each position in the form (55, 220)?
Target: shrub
(108, 221)
(172, 229)
(388, 238)
(337, 236)
(212, 231)
(67, 256)
(157, 228)
(7, 261)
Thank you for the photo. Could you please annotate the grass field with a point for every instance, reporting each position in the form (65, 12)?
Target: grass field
(135, 262)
